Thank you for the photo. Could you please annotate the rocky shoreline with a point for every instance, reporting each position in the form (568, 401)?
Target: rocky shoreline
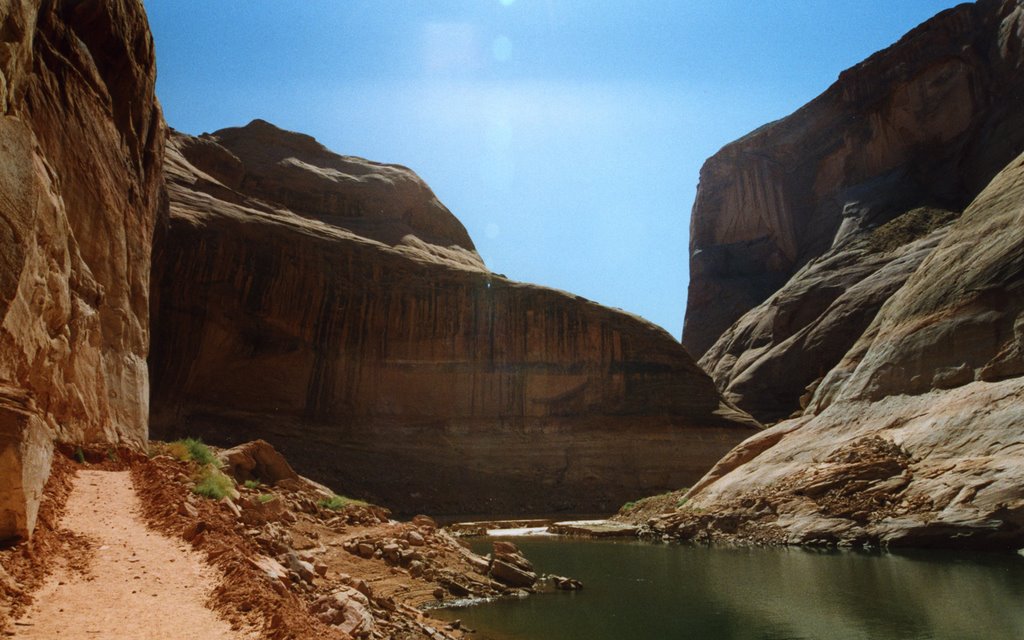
(602, 528)
(297, 562)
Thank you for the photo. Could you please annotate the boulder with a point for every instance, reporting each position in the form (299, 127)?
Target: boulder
(255, 511)
(425, 522)
(415, 539)
(302, 568)
(566, 584)
(256, 460)
(504, 548)
(510, 567)
(273, 569)
(511, 574)
(348, 610)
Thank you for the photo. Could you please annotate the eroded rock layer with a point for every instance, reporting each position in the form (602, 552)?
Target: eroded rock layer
(81, 142)
(915, 437)
(926, 122)
(334, 308)
(777, 353)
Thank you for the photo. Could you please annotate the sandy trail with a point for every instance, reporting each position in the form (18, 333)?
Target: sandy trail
(139, 584)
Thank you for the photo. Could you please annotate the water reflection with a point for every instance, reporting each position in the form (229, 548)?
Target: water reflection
(644, 591)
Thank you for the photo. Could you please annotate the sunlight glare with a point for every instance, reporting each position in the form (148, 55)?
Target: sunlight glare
(501, 48)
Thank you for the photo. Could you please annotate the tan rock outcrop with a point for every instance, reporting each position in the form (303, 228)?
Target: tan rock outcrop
(364, 338)
(510, 567)
(938, 469)
(81, 142)
(915, 437)
(927, 122)
(771, 360)
(897, 344)
(959, 318)
(256, 460)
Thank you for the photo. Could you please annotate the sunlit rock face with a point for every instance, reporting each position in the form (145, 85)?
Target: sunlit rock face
(81, 143)
(910, 431)
(771, 360)
(926, 122)
(335, 308)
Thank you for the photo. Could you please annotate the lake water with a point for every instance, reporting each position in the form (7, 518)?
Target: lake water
(648, 591)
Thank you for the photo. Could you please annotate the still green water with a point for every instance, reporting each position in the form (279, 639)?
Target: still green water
(638, 590)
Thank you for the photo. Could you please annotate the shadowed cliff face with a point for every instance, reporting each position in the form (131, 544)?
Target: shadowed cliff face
(81, 142)
(926, 122)
(910, 432)
(404, 372)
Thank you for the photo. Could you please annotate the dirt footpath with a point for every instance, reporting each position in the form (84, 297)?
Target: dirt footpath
(137, 583)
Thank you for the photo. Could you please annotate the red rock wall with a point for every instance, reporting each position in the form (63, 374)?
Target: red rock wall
(928, 121)
(410, 374)
(81, 136)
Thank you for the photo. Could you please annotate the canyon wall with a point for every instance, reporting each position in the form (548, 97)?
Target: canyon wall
(927, 122)
(81, 141)
(899, 349)
(772, 358)
(335, 308)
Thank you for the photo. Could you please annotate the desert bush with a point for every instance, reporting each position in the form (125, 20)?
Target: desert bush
(200, 452)
(178, 450)
(192, 449)
(212, 483)
(337, 502)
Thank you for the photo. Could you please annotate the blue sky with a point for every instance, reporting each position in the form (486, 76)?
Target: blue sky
(566, 135)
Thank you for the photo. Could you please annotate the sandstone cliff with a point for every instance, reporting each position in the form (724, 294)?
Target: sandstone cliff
(777, 352)
(926, 122)
(334, 307)
(81, 137)
(916, 436)
(908, 339)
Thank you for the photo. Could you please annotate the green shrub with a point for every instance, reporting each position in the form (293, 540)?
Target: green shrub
(178, 450)
(200, 452)
(252, 484)
(659, 502)
(79, 455)
(192, 449)
(264, 498)
(337, 502)
(212, 483)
